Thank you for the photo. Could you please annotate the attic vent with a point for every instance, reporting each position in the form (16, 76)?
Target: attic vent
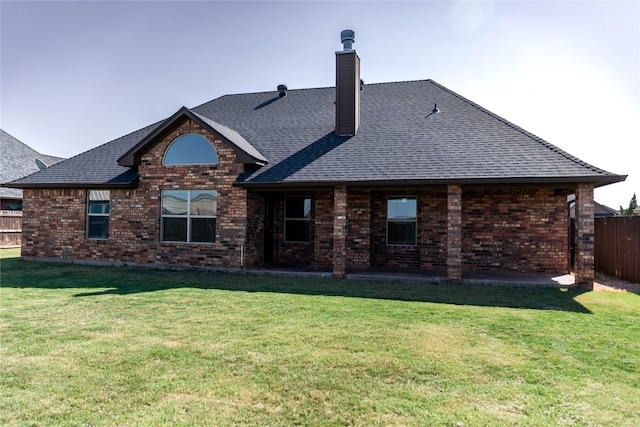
(282, 90)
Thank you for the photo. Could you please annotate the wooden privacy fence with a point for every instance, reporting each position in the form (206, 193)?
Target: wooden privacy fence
(10, 229)
(617, 247)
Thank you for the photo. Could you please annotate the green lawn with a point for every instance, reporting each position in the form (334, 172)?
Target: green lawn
(97, 346)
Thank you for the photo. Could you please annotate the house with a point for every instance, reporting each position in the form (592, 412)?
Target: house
(406, 175)
(17, 160)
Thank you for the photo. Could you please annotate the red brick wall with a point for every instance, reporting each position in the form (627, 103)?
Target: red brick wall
(359, 229)
(322, 226)
(340, 231)
(293, 252)
(430, 251)
(454, 232)
(55, 220)
(508, 229)
(319, 250)
(254, 248)
(585, 233)
(53, 223)
(514, 230)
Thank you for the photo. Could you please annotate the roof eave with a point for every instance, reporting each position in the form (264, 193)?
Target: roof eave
(73, 185)
(598, 181)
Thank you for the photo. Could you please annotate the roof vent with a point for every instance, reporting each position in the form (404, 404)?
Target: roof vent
(435, 110)
(347, 37)
(41, 165)
(282, 90)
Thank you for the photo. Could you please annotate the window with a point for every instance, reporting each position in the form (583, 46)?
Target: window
(98, 214)
(190, 149)
(189, 216)
(401, 221)
(297, 219)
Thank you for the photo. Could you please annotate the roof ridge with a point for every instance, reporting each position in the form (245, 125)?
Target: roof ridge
(304, 89)
(534, 137)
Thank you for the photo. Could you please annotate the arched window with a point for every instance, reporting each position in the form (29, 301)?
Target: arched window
(190, 149)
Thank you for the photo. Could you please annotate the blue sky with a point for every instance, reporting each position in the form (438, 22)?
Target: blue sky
(77, 74)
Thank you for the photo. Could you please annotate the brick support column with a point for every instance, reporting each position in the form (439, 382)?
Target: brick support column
(584, 245)
(454, 232)
(340, 231)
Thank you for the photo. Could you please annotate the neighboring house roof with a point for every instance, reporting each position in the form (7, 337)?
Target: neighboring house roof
(602, 210)
(599, 210)
(399, 141)
(19, 160)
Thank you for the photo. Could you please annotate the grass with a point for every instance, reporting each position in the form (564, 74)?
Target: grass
(99, 346)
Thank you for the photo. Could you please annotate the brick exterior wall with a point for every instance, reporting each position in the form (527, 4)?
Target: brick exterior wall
(318, 252)
(55, 220)
(296, 253)
(502, 229)
(515, 230)
(340, 231)
(430, 251)
(359, 229)
(585, 232)
(454, 232)
(322, 226)
(254, 248)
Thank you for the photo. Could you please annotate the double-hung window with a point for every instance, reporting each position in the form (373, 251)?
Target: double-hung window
(401, 221)
(98, 202)
(189, 216)
(297, 219)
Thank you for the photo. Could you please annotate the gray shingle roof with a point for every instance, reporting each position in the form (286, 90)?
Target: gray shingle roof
(398, 141)
(19, 160)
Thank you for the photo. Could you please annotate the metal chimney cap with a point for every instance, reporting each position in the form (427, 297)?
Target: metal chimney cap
(347, 37)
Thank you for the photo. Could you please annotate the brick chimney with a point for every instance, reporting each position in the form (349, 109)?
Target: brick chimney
(347, 87)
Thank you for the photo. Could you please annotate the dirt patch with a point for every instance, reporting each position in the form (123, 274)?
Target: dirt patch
(607, 283)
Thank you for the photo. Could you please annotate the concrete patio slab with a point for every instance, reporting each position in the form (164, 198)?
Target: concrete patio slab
(428, 276)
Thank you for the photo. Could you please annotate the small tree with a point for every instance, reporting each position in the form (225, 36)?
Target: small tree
(633, 204)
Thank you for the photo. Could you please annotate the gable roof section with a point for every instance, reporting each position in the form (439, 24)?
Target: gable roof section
(19, 160)
(399, 142)
(245, 152)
